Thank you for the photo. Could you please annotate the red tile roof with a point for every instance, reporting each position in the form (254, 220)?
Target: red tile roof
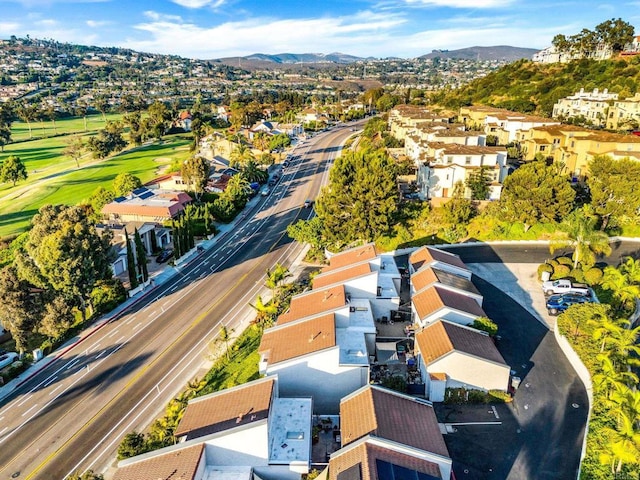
(294, 339)
(227, 409)
(386, 414)
(442, 337)
(313, 303)
(428, 255)
(352, 256)
(177, 464)
(428, 276)
(364, 456)
(341, 275)
(434, 298)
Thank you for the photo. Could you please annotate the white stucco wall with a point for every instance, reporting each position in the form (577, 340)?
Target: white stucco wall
(471, 372)
(320, 376)
(242, 447)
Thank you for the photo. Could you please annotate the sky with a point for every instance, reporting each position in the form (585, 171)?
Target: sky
(208, 29)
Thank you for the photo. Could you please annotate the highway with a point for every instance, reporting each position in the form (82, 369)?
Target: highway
(73, 413)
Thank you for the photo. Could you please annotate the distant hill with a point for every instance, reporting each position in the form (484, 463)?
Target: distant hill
(263, 60)
(499, 52)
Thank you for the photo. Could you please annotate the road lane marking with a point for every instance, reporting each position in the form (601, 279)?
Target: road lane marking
(136, 326)
(24, 400)
(54, 390)
(113, 333)
(34, 406)
(95, 347)
(152, 314)
(3, 430)
(174, 288)
(147, 307)
(130, 320)
(50, 382)
(73, 363)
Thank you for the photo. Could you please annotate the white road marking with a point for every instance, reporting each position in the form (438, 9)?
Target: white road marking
(147, 307)
(95, 347)
(73, 363)
(24, 400)
(48, 383)
(29, 409)
(53, 391)
(113, 333)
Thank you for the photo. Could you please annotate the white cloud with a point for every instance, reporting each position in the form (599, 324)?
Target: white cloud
(9, 28)
(161, 17)
(363, 31)
(199, 3)
(97, 23)
(462, 3)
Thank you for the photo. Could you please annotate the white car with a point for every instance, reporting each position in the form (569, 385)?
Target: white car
(265, 192)
(7, 359)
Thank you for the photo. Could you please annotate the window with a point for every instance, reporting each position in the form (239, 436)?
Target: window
(449, 159)
(467, 160)
(543, 148)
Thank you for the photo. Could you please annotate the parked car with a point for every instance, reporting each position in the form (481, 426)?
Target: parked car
(557, 304)
(564, 286)
(308, 203)
(164, 256)
(7, 359)
(265, 192)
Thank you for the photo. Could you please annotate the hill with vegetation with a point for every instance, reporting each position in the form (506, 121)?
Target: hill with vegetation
(498, 52)
(530, 87)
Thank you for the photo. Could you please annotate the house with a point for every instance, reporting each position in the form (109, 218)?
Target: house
(386, 434)
(321, 346)
(171, 181)
(436, 302)
(154, 237)
(184, 120)
(244, 432)
(456, 356)
(445, 165)
(145, 205)
(593, 106)
(434, 257)
(428, 276)
(625, 113)
(506, 125)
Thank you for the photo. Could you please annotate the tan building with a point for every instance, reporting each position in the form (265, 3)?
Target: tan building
(625, 114)
(406, 120)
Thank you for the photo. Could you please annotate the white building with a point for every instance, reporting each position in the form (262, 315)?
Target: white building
(592, 106)
(428, 276)
(434, 257)
(436, 302)
(454, 356)
(241, 433)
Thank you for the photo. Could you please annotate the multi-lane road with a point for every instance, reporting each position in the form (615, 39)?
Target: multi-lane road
(73, 413)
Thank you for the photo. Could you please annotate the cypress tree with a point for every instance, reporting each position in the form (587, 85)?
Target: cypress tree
(176, 239)
(154, 241)
(141, 256)
(131, 263)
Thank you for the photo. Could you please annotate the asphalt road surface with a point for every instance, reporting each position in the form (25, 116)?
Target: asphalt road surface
(72, 414)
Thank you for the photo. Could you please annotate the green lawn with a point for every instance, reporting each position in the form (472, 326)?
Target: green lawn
(77, 185)
(20, 130)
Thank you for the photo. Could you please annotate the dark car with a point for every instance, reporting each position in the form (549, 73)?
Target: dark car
(164, 256)
(308, 203)
(557, 304)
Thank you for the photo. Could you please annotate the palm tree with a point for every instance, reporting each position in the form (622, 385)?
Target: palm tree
(578, 232)
(611, 378)
(253, 173)
(623, 446)
(631, 269)
(604, 327)
(224, 336)
(275, 278)
(622, 346)
(266, 312)
(616, 281)
(241, 155)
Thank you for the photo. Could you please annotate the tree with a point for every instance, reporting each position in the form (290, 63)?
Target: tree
(98, 199)
(125, 183)
(20, 311)
(88, 475)
(240, 155)
(65, 253)
(75, 149)
(27, 114)
(578, 232)
(621, 288)
(132, 444)
(536, 192)
(275, 278)
(195, 173)
(307, 231)
(101, 105)
(478, 182)
(361, 200)
(458, 210)
(614, 187)
(107, 141)
(624, 444)
(141, 256)
(252, 173)
(486, 325)
(58, 317)
(615, 33)
(224, 336)
(13, 170)
(159, 116)
(265, 312)
(5, 135)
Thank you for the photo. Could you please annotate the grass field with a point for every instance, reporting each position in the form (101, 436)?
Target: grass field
(20, 130)
(73, 186)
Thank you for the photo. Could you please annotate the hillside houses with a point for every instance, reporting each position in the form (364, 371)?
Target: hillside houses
(593, 106)
(145, 205)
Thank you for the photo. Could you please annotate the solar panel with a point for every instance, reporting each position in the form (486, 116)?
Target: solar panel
(140, 190)
(146, 194)
(390, 471)
(119, 199)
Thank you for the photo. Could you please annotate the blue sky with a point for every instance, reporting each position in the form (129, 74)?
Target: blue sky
(208, 29)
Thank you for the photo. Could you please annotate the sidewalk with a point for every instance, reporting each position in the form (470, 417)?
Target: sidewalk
(157, 279)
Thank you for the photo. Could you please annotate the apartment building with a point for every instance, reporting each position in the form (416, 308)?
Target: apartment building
(593, 106)
(624, 114)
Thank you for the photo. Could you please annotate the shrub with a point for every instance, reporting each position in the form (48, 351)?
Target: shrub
(107, 295)
(486, 325)
(561, 271)
(564, 261)
(544, 267)
(577, 274)
(553, 263)
(593, 276)
(499, 396)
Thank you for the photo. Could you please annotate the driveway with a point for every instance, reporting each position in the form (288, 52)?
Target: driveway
(539, 435)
